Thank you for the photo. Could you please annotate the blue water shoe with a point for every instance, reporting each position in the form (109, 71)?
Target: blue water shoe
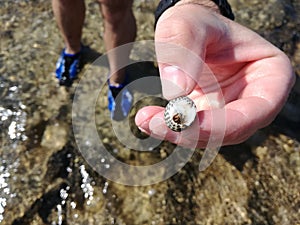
(120, 100)
(67, 68)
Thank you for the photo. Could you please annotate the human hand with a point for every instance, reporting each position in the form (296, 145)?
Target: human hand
(251, 82)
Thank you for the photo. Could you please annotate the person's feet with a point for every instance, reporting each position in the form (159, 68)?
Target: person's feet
(120, 100)
(67, 68)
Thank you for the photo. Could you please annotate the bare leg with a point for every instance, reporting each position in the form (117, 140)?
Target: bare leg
(119, 29)
(69, 15)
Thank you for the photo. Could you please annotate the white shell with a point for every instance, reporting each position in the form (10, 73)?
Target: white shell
(180, 113)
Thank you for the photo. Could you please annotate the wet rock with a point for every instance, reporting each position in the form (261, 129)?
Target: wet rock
(55, 136)
(274, 198)
(219, 195)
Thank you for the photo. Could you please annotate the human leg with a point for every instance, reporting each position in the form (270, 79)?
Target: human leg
(69, 15)
(119, 29)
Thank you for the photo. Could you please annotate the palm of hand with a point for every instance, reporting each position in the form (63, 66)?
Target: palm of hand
(244, 78)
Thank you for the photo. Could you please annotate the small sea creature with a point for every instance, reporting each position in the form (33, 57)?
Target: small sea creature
(180, 113)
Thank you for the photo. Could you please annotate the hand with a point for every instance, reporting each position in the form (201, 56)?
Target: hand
(251, 82)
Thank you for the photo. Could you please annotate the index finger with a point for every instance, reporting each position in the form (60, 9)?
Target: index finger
(181, 38)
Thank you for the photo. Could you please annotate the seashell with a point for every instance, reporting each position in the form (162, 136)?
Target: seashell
(180, 113)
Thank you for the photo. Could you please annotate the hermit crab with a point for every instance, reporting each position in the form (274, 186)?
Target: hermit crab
(180, 113)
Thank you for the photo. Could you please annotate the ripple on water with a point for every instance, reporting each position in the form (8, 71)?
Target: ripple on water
(87, 185)
(12, 116)
(12, 131)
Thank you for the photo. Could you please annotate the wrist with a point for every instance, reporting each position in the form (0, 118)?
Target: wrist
(206, 3)
(220, 6)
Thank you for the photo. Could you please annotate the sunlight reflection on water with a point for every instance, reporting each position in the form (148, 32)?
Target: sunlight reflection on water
(86, 185)
(12, 124)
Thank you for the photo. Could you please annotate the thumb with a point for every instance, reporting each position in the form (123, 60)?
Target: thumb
(180, 47)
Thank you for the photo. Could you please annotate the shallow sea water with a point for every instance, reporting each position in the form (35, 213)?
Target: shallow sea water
(45, 180)
(12, 123)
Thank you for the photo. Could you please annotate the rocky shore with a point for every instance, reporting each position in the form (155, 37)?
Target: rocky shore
(44, 179)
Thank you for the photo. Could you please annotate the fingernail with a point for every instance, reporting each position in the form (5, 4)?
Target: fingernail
(158, 127)
(172, 82)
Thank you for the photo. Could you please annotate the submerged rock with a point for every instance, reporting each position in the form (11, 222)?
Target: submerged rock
(55, 136)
